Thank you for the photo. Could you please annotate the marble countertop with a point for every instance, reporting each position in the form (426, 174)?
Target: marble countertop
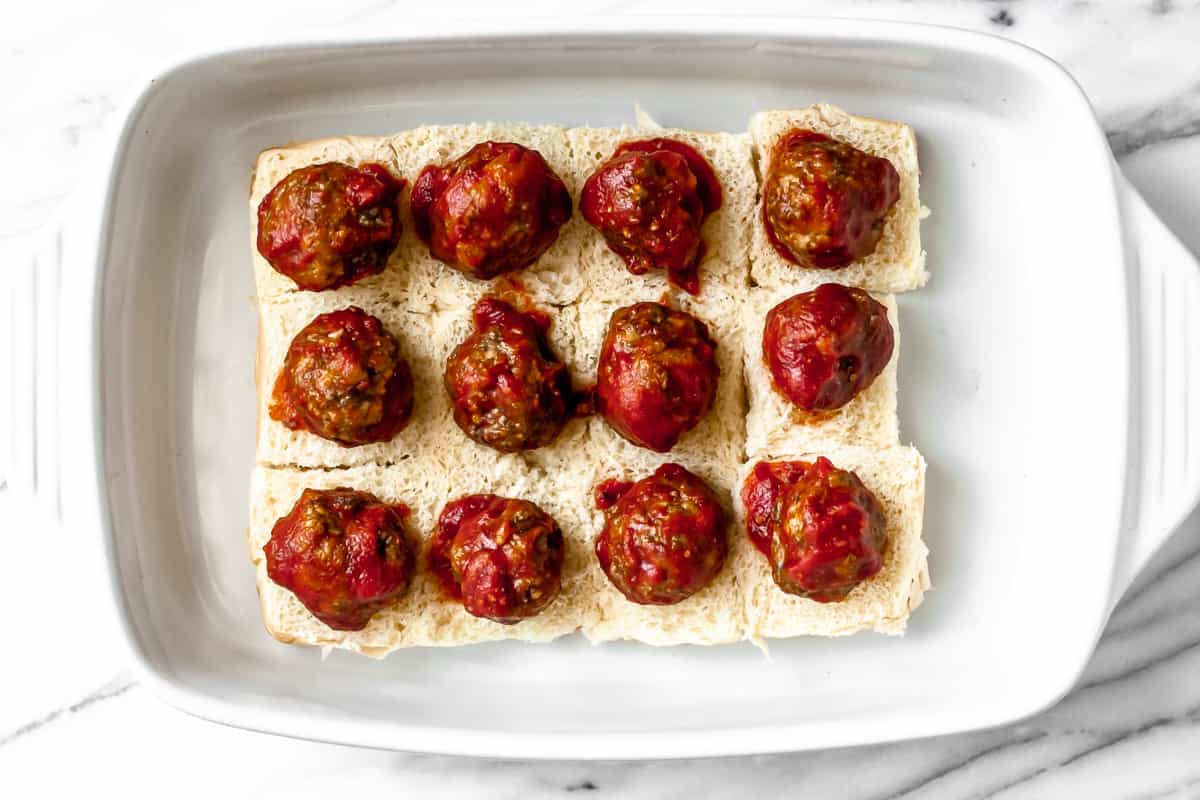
(73, 718)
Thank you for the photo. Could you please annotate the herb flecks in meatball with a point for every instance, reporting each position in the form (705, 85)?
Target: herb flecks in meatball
(822, 348)
(502, 557)
(508, 390)
(822, 530)
(663, 538)
(344, 379)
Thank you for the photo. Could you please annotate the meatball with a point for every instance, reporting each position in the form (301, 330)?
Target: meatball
(825, 346)
(649, 200)
(663, 538)
(657, 374)
(329, 225)
(344, 379)
(508, 390)
(494, 210)
(827, 531)
(825, 202)
(343, 553)
(502, 557)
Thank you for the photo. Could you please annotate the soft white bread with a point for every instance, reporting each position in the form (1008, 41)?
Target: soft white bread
(277, 163)
(743, 601)
(869, 419)
(579, 282)
(413, 276)
(426, 341)
(422, 616)
(714, 615)
(719, 436)
(896, 476)
(587, 452)
(898, 263)
(725, 233)
(712, 450)
(555, 278)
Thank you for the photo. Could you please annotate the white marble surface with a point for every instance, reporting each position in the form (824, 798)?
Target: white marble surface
(73, 719)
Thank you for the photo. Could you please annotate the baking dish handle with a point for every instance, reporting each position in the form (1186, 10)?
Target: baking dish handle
(1163, 483)
(29, 403)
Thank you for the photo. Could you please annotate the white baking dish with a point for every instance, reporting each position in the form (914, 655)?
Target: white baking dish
(1045, 375)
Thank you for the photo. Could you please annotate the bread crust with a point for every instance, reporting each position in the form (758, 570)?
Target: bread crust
(896, 476)
(870, 418)
(898, 262)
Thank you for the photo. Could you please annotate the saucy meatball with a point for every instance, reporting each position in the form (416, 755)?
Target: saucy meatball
(825, 346)
(650, 200)
(825, 202)
(826, 531)
(494, 210)
(344, 379)
(657, 374)
(343, 553)
(500, 556)
(663, 538)
(508, 390)
(329, 225)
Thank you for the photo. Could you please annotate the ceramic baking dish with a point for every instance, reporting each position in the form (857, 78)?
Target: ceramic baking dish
(1045, 374)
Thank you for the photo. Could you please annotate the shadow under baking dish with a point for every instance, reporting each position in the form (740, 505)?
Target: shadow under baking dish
(1022, 427)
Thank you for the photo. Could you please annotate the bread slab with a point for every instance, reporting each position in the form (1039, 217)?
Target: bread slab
(723, 265)
(412, 276)
(714, 615)
(422, 616)
(426, 341)
(896, 476)
(870, 418)
(742, 602)
(578, 259)
(719, 435)
(898, 263)
(580, 282)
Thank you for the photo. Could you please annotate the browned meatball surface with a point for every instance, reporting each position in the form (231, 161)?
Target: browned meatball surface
(329, 225)
(825, 202)
(657, 374)
(344, 379)
(494, 210)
